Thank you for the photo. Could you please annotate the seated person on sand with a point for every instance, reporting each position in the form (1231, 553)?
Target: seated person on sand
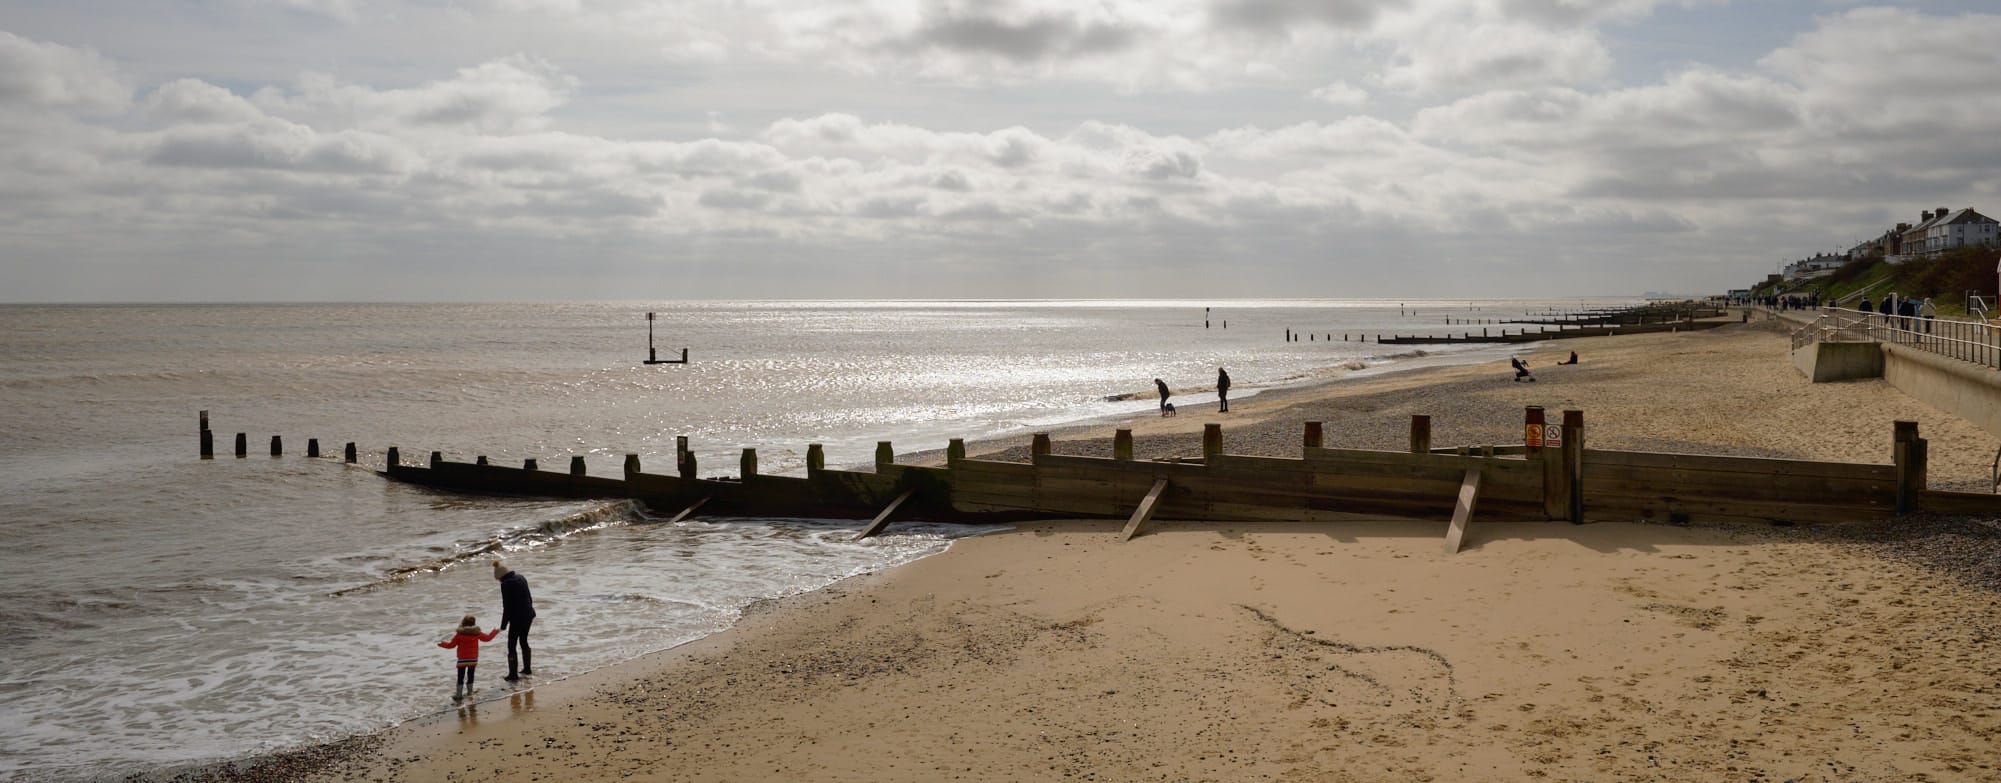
(1571, 360)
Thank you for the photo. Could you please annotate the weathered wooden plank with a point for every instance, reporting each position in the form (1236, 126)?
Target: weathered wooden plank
(1462, 511)
(1145, 510)
(1594, 458)
(690, 510)
(882, 520)
(1943, 502)
(1702, 483)
(1447, 466)
(1659, 508)
(1373, 457)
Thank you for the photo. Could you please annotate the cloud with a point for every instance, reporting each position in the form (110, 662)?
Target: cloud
(52, 76)
(507, 94)
(196, 101)
(1340, 94)
(1277, 16)
(1032, 38)
(269, 143)
(1451, 55)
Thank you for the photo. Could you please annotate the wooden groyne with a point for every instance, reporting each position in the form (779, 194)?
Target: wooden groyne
(1549, 476)
(1668, 317)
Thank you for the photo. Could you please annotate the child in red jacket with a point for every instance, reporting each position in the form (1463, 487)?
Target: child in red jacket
(466, 640)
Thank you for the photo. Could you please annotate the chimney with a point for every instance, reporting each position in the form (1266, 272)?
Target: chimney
(1926, 218)
(1903, 227)
(1942, 212)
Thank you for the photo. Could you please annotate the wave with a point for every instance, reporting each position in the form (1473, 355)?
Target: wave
(622, 512)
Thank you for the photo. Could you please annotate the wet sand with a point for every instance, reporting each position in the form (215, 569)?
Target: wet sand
(1353, 651)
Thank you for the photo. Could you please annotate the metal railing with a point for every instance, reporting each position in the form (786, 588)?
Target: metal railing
(1969, 341)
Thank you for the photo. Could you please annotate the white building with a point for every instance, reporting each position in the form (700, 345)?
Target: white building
(1962, 228)
(1944, 229)
(1808, 268)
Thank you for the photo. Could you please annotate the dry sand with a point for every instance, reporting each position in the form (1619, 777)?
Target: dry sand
(1354, 651)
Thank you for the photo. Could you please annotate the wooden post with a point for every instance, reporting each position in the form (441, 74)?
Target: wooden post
(688, 465)
(313, 448)
(1420, 434)
(884, 453)
(1122, 445)
(881, 519)
(1532, 430)
(955, 451)
(277, 446)
(204, 422)
(1311, 438)
(686, 512)
(631, 466)
(577, 466)
(437, 458)
(1462, 511)
(816, 458)
(747, 466)
(1145, 510)
(1212, 441)
(1904, 435)
(529, 464)
(349, 453)
(1572, 453)
(480, 460)
(680, 452)
(1920, 469)
(393, 459)
(242, 445)
(1038, 445)
(207, 445)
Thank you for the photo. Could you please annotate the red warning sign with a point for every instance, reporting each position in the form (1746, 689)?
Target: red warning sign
(1533, 435)
(1552, 436)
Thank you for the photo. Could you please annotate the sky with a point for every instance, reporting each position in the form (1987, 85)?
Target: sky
(532, 150)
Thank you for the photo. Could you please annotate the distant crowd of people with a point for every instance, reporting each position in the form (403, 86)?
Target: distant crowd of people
(1907, 314)
(1808, 301)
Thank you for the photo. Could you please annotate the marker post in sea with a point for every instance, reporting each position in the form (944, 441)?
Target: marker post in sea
(654, 358)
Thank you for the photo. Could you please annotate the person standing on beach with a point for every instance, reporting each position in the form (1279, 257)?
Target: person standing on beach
(517, 613)
(1161, 386)
(466, 641)
(1223, 389)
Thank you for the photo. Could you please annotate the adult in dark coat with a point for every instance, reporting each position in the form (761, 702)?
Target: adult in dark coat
(1162, 387)
(517, 613)
(1223, 389)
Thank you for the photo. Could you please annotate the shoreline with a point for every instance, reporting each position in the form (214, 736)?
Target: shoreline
(1265, 424)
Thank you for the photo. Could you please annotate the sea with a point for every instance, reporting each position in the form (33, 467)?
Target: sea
(158, 610)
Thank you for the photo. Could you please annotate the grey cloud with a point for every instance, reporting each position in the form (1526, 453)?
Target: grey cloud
(278, 145)
(1014, 148)
(1276, 16)
(193, 100)
(586, 204)
(1035, 39)
(51, 75)
(979, 211)
(891, 207)
(731, 198)
(952, 181)
(776, 181)
(1160, 165)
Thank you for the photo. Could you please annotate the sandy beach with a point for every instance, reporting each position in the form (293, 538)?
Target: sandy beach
(1343, 652)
